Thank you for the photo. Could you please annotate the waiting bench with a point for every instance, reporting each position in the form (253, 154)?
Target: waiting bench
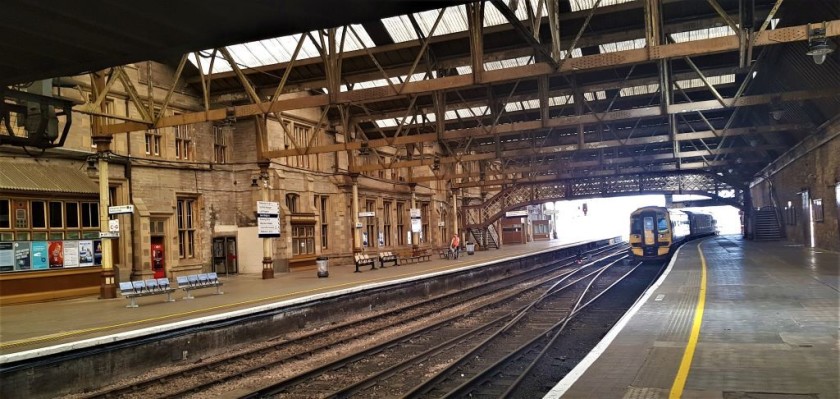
(134, 289)
(199, 281)
(387, 257)
(363, 260)
(417, 256)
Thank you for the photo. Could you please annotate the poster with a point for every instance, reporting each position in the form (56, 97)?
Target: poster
(7, 257)
(416, 225)
(39, 255)
(71, 254)
(97, 252)
(364, 239)
(381, 239)
(23, 252)
(56, 257)
(85, 253)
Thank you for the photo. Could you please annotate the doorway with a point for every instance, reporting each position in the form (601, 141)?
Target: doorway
(158, 257)
(225, 260)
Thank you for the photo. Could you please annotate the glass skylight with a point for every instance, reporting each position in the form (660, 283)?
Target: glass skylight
(279, 50)
(621, 46)
(714, 80)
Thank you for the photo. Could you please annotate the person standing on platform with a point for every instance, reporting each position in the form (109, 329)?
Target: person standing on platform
(454, 246)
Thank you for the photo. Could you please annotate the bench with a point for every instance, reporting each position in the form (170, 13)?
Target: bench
(416, 256)
(199, 281)
(134, 289)
(363, 260)
(387, 257)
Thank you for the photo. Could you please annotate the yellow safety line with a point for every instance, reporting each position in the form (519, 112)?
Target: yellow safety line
(65, 334)
(685, 364)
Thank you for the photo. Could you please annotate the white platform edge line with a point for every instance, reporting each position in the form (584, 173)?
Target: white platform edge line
(563, 386)
(50, 350)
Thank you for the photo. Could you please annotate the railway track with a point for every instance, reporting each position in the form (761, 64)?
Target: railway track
(294, 355)
(431, 361)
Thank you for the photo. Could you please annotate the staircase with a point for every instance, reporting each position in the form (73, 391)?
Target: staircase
(766, 224)
(486, 237)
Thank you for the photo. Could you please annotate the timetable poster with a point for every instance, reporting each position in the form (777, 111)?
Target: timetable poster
(56, 254)
(39, 255)
(85, 253)
(97, 252)
(23, 252)
(7, 257)
(71, 254)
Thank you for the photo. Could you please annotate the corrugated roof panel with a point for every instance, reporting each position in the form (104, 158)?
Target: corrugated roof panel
(20, 176)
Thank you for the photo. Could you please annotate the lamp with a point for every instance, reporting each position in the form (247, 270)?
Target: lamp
(254, 182)
(91, 166)
(818, 46)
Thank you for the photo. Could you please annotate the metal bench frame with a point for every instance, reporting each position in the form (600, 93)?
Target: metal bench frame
(362, 260)
(135, 289)
(387, 257)
(199, 281)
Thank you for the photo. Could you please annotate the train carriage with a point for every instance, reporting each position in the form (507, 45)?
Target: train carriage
(655, 232)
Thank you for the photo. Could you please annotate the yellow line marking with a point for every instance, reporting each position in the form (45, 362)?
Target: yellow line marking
(688, 355)
(65, 334)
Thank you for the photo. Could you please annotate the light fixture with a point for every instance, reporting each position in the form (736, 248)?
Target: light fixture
(254, 182)
(91, 166)
(818, 46)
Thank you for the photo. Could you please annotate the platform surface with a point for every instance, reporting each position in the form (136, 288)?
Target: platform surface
(29, 327)
(769, 329)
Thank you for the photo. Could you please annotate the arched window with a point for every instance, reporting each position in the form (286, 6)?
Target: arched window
(292, 202)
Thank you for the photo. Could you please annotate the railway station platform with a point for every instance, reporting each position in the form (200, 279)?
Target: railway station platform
(770, 314)
(52, 327)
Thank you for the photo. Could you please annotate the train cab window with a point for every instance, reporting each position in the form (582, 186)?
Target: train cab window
(662, 224)
(636, 225)
(648, 223)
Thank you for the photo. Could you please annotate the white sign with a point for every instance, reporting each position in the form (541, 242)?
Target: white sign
(119, 209)
(513, 214)
(366, 214)
(359, 225)
(114, 226)
(441, 224)
(414, 213)
(268, 227)
(416, 226)
(268, 208)
(108, 234)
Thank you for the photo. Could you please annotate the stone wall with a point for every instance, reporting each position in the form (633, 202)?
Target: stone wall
(815, 172)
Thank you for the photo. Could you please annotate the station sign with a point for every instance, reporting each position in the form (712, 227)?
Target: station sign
(513, 214)
(359, 225)
(366, 214)
(114, 226)
(268, 227)
(441, 224)
(120, 209)
(414, 213)
(268, 208)
(109, 234)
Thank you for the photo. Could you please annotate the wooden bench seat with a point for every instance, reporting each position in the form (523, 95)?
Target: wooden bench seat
(363, 260)
(387, 257)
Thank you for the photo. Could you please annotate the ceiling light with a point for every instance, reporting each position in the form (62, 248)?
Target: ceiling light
(818, 46)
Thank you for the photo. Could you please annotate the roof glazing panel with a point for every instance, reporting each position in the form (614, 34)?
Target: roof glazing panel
(280, 49)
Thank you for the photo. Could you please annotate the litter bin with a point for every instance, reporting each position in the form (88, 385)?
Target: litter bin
(470, 248)
(322, 262)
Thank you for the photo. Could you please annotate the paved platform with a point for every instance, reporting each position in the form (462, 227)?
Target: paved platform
(770, 314)
(28, 327)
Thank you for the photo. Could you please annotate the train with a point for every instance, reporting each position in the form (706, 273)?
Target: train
(656, 232)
